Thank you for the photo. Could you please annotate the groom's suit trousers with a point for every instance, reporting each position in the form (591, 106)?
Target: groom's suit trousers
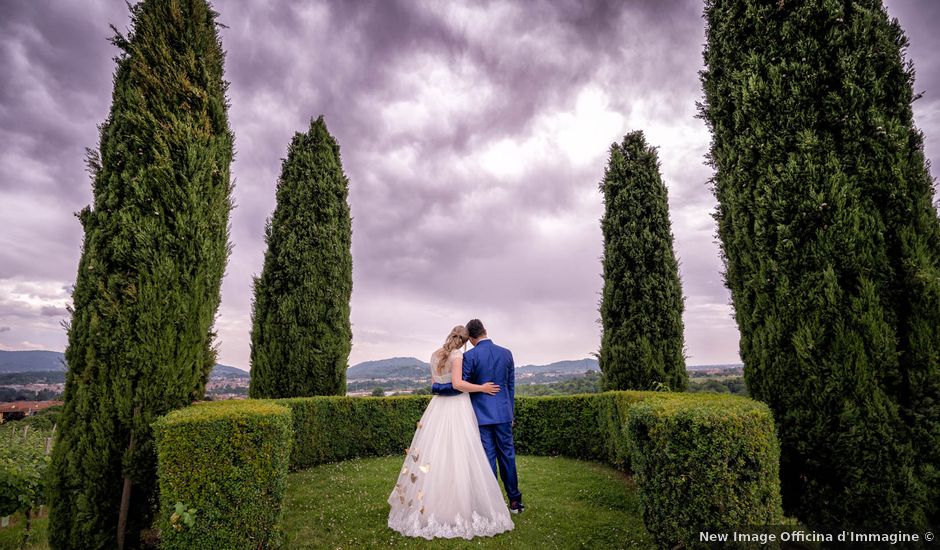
(500, 449)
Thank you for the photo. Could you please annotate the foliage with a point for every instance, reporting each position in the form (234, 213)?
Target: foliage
(32, 377)
(707, 463)
(593, 427)
(641, 305)
(330, 429)
(182, 517)
(222, 468)
(17, 537)
(301, 335)
(378, 392)
(227, 390)
(734, 385)
(214, 454)
(571, 504)
(140, 339)
(45, 420)
(831, 247)
(589, 382)
(563, 425)
(23, 467)
(21, 394)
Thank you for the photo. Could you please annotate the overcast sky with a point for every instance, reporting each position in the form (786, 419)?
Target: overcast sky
(474, 136)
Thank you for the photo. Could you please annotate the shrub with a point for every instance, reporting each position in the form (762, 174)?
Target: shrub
(641, 302)
(831, 246)
(23, 463)
(560, 425)
(300, 335)
(612, 410)
(704, 462)
(709, 460)
(330, 429)
(225, 464)
(44, 420)
(147, 288)
(701, 460)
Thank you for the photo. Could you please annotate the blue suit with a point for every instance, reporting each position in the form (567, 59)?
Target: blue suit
(487, 362)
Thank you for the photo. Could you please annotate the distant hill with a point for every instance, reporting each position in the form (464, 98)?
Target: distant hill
(54, 361)
(411, 368)
(31, 361)
(396, 367)
(225, 371)
(727, 366)
(579, 366)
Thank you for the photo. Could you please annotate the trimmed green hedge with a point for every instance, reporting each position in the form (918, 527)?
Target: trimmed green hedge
(701, 460)
(331, 429)
(589, 426)
(228, 460)
(708, 462)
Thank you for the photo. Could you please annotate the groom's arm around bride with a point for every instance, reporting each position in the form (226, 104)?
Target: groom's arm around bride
(444, 389)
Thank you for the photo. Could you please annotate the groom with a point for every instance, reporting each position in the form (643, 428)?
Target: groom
(487, 362)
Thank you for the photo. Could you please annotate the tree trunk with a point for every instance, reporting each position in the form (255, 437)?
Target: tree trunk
(27, 525)
(126, 494)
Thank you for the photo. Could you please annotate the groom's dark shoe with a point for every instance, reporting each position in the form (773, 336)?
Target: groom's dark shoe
(444, 389)
(516, 506)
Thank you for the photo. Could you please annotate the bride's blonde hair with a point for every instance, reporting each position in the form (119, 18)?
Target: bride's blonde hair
(456, 339)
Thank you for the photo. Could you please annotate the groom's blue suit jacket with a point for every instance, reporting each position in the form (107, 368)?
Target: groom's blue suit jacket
(487, 362)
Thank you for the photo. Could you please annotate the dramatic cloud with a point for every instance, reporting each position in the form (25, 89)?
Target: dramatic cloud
(474, 136)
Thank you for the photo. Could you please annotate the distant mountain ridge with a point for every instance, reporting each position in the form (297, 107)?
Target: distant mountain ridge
(220, 370)
(393, 367)
(578, 366)
(54, 361)
(32, 361)
(412, 367)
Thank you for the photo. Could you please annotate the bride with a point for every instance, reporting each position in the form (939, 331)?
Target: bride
(446, 487)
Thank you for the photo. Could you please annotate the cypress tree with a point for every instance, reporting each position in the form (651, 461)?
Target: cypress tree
(831, 247)
(301, 335)
(642, 345)
(140, 337)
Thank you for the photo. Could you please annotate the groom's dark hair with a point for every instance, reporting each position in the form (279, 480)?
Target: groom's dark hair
(475, 328)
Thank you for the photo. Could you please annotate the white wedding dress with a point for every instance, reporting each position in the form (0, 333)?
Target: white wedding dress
(446, 487)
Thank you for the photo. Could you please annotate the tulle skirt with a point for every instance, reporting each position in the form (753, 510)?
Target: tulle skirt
(446, 487)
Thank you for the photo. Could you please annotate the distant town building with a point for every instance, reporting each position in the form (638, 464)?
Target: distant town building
(17, 410)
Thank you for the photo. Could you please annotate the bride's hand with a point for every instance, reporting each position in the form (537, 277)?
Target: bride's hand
(490, 388)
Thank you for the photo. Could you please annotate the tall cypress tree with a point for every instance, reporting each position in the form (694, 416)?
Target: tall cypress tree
(831, 246)
(301, 335)
(140, 338)
(642, 344)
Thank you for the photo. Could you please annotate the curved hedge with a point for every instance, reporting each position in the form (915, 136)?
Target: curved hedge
(589, 426)
(228, 461)
(707, 463)
(700, 460)
(331, 429)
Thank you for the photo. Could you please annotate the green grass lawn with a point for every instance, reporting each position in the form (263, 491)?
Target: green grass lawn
(569, 504)
(12, 536)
